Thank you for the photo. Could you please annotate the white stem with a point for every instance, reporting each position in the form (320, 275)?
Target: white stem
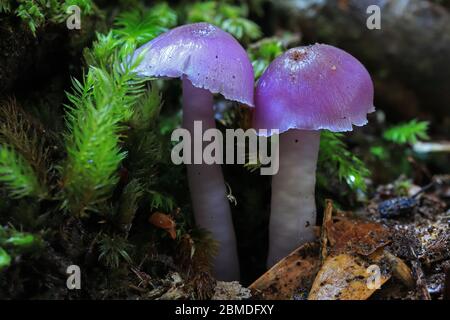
(207, 186)
(293, 207)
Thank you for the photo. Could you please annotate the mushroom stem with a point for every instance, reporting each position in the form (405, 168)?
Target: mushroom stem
(293, 207)
(207, 186)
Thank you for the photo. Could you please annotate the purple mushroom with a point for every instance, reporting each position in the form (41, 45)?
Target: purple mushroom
(208, 60)
(303, 91)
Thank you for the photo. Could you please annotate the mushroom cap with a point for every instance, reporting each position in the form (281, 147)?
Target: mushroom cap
(312, 88)
(208, 56)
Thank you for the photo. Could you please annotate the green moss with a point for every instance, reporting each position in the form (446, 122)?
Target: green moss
(17, 175)
(230, 18)
(408, 132)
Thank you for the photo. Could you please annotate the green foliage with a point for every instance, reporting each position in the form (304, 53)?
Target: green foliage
(95, 119)
(31, 13)
(407, 133)
(129, 202)
(35, 13)
(110, 96)
(146, 110)
(402, 186)
(102, 52)
(144, 141)
(18, 241)
(13, 242)
(335, 158)
(263, 53)
(86, 6)
(17, 175)
(113, 250)
(5, 259)
(107, 168)
(27, 137)
(5, 6)
(393, 149)
(139, 26)
(161, 202)
(379, 152)
(228, 17)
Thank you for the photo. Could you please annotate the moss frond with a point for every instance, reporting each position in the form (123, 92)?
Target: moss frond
(99, 107)
(17, 175)
(335, 158)
(5, 259)
(18, 242)
(195, 254)
(140, 26)
(263, 53)
(146, 110)
(113, 250)
(144, 142)
(408, 132)
(27, 136)
(5, 6)
(129, 202)
(230, 18)
(159, 201)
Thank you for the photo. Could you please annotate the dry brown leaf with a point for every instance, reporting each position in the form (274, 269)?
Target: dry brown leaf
(397, 266)
(344, 277)
(355, 236)
(295, 271)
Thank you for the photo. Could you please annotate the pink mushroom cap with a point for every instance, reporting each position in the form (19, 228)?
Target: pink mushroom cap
(312, 88)
(208, 56)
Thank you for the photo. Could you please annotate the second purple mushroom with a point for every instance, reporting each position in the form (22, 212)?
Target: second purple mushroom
(303, 91)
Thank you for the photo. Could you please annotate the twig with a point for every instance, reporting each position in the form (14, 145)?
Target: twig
(327, 216)
(131, 286)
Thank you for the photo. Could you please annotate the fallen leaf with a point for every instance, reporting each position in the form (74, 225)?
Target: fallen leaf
(346, 277)
(355, 236)
(398, 267)
(297, 270)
